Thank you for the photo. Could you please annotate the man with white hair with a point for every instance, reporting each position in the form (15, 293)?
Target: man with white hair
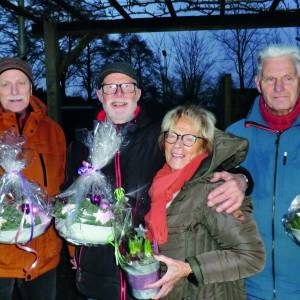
(273, 130)
(26, 115)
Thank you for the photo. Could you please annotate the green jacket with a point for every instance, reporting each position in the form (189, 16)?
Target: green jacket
(220, 249)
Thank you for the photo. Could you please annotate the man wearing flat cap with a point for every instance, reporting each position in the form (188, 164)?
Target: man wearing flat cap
(25, 114)
(135, 165)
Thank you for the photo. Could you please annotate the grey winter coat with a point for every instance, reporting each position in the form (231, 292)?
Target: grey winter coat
(220, 249)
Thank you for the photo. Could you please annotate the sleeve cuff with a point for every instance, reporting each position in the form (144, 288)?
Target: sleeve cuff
(196, 277)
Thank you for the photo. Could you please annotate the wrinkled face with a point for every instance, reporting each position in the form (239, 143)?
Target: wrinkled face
(15, 90)
(279, 84)
(121, 105)
(178, 155)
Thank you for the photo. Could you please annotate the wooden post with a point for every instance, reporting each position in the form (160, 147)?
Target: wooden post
(52, 75)
(227, 100)
(22, 51)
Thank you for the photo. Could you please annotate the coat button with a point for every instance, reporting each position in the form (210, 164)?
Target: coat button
(28, 277)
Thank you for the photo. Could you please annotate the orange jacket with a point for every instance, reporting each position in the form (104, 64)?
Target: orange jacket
(46, 167)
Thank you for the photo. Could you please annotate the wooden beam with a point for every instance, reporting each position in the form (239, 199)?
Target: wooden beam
(215, 22)
(19, 11)
(274, 5)
(120, 9)
(171, 8)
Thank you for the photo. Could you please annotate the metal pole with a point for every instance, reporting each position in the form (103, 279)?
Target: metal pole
(164, 53)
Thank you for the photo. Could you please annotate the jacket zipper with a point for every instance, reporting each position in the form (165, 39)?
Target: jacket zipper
(43, 168)
(273, 214)
(278, 134)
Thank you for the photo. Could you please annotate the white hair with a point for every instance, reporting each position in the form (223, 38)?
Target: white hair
(274, 51)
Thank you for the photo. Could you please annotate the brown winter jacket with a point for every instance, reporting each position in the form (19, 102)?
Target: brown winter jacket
(220, 249)
(46, 140)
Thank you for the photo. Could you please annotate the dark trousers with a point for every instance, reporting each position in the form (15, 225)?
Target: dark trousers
(41, 288)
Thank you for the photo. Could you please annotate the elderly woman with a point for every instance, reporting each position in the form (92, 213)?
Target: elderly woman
(206, 253)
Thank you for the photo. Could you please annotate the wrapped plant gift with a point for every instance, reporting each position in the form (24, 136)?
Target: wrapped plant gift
(24, 211)
(140, 266)
(291, 220)
(84, 212)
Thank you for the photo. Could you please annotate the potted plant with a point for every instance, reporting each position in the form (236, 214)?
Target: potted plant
(139, 264)
(291, 220)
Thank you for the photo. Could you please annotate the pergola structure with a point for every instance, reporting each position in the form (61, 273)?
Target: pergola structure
(87, 19)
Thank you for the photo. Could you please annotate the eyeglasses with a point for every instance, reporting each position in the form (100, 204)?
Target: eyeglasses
(188, 139)
(111, 88)
(286, 79)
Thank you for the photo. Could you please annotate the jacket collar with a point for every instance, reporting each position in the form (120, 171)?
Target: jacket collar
(141, 119)
(255, 116)
(228, 152)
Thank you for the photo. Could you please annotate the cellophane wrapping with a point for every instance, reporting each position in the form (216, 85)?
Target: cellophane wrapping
(25, 212)
(139, 264)
(84, 213)
(291, 220)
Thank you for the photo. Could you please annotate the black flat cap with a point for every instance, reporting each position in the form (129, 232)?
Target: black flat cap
(117, 67)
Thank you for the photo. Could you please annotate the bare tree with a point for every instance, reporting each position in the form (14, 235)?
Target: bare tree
(163, 63)
(241, 46)
(193, 63)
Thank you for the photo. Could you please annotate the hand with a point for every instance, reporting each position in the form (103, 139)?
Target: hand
(229, 196)
(176, 271)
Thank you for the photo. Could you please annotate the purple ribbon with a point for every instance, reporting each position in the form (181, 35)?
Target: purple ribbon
(86, 169)
(28, 209)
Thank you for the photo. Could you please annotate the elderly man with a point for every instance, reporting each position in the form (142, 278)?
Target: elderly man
(134, 165)
(26, 115)
(272, 128)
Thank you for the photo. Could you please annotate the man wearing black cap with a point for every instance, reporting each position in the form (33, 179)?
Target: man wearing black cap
(26, 115)
(119, 92)
(135, 165)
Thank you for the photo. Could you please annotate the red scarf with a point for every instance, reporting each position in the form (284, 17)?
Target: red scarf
(279, 123)
(164, 185)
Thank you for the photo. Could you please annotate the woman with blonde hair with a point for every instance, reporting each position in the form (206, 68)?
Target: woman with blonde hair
(207, 254)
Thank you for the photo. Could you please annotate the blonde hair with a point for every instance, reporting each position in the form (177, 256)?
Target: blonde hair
(203, 120)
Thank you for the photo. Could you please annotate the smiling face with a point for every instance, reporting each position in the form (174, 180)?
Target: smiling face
(279, 84)
(120, 106)
(15, 90)
(178, 155)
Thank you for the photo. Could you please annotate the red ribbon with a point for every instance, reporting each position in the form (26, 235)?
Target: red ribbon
(26, 248)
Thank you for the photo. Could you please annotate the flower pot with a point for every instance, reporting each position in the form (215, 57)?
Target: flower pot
(25, 234)
(139, 275)
(84, 234)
